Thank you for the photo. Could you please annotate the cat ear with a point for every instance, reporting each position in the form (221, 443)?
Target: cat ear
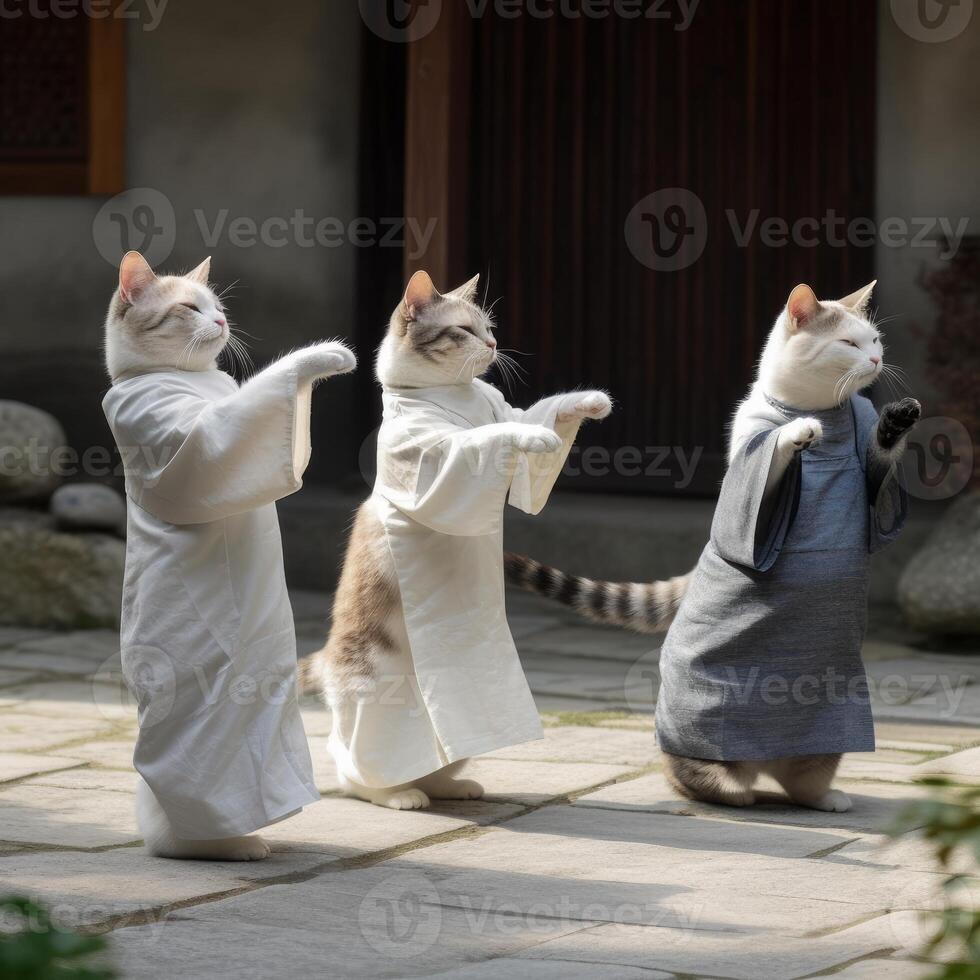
(201, 273)
(420, 293)
(468, 290)
(858, 301)
(801, 308)
(134, 276)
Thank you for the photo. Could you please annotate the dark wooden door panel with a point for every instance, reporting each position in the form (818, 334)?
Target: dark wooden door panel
(573, 122)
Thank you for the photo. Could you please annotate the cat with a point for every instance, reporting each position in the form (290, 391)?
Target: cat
(818, 355)
(429, 366)
(163, 338)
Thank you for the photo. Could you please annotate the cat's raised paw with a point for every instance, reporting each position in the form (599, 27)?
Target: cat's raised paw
(407, 799)
(537, 439)
(804, 433)
(591, 405)
(325, 360)
(896, 419)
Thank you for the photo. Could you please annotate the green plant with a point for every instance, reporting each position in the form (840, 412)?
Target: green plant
(32, 947)
(950, 820)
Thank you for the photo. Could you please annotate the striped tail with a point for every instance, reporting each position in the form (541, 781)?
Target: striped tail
(646, 607)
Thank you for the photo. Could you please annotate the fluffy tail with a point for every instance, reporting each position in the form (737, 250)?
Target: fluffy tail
(309, 674)
(646, 607)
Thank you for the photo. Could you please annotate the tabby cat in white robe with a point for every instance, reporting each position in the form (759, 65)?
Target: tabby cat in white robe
(204, 600)
(420, 669)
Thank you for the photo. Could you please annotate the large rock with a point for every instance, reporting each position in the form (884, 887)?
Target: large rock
(31, 444)
(58, 581)
(939, 591)
(89, 506)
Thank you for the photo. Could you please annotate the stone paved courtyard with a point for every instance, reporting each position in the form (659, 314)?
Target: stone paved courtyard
(580, 862)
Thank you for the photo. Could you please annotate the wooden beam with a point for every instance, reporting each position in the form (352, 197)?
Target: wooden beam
(107, 104)
(436, 145)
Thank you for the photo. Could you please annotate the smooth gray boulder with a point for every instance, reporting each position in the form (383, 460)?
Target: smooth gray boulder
(58, 581)
(31, 446)
(939, 591)
(89, 506)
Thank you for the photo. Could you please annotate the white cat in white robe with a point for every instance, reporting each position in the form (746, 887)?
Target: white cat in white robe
(208, 643)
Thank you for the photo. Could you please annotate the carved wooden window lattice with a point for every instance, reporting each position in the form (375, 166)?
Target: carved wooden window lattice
(62, 100)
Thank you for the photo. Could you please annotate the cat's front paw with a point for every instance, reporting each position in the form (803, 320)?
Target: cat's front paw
(803, 433)
(325, 360)
(896, 419)
(587, 405)
(536, 439)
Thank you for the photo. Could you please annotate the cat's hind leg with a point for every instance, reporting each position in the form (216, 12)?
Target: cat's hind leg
(807, 780)
(729, 783)
(407, 796)
(161, 841)
(443, 784)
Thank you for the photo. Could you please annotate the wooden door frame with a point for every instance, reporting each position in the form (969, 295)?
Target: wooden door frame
(437, 115)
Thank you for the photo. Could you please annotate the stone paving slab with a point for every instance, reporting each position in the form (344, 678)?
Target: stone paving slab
(509, 968)
(534, 782)
(17, 765)
(88, 778)
(876, 805)
(83, 699)
(592, 641)
(14, 635)
(374, 922)
(343, 827)
(634, 872)
(960, 767)
(113, 753)
(694, 952)
(37, 814)
(20, 731)
(92, 887)
(568, 744)
(12, 675)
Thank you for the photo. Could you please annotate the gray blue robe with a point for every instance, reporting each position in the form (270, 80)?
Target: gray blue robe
(763, 659)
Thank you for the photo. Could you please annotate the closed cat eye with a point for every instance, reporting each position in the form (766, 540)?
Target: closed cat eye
(850, 343)
(191, 306)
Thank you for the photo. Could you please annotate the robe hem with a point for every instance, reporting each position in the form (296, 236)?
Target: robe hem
(295, 805)
(678, 746)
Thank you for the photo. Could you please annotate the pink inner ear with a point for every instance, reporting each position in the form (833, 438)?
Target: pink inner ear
(134, 276)
(802, 305)
(420, 292)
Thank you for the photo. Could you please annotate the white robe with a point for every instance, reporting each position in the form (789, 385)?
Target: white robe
(208, 641)
(455, 687)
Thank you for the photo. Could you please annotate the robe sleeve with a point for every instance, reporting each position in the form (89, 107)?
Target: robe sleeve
(747, 530)
(888, 500)
(191, 458)
(449, 478)
(535, 475)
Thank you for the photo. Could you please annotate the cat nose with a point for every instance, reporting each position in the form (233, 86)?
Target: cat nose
(220, 320)
(876, 361)
(492, 344)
